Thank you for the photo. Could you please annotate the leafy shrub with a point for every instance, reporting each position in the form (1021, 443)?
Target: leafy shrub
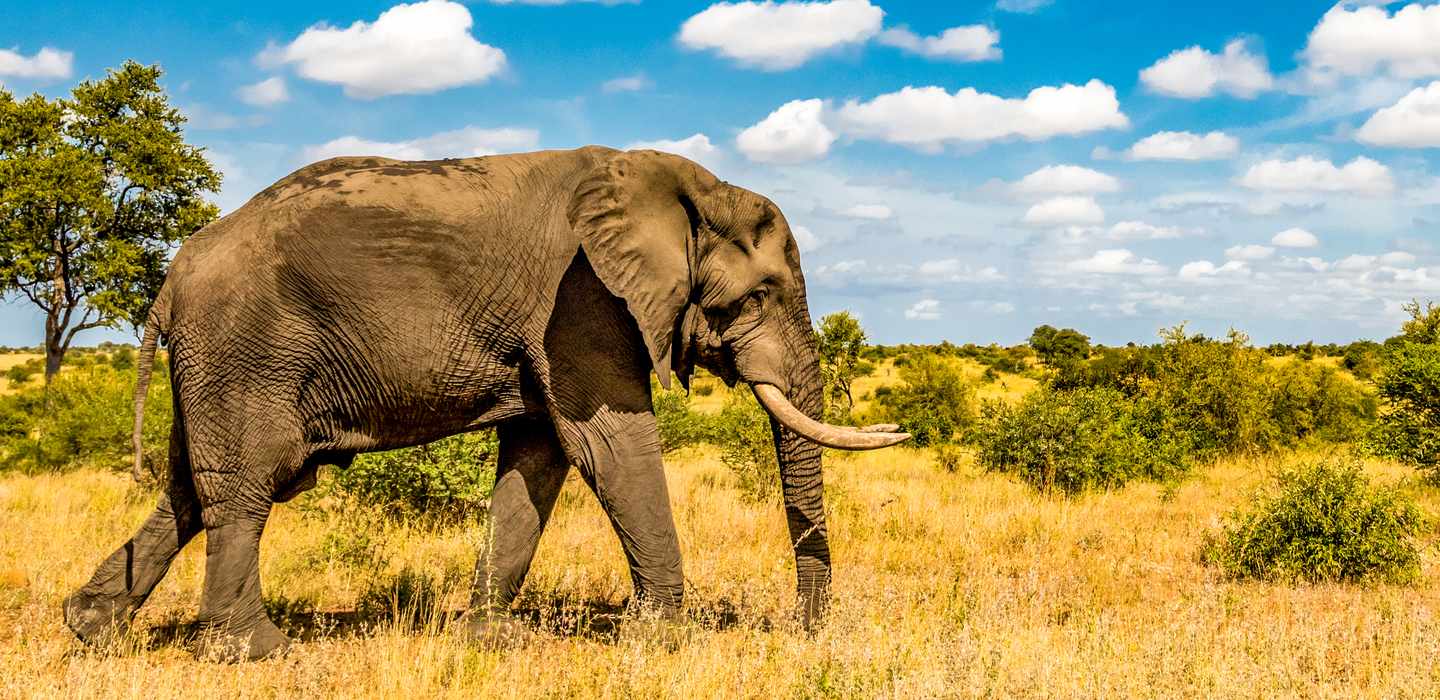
(934, 401)
(679, 426)
(446, 479)
(1310, 400)
(1227, 396)
(1409, 385)
(85, 421)
(1215, 391)
(747, 447)
(1075, 440)
(1321, 522)
(1362, 358)
(21, 373)
(704, 389)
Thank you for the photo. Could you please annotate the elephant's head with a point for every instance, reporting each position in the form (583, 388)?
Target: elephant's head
(712, 276)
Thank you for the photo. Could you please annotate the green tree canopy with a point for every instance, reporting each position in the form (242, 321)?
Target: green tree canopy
(1409, 385)
(95, 189)
(841, 340)
(1059, 346)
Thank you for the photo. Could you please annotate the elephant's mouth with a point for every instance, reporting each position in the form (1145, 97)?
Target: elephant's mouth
(870, 437)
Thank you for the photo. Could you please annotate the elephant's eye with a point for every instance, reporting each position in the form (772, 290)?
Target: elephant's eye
(757, 297)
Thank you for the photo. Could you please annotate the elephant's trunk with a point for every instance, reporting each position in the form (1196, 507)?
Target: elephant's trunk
(800, 479)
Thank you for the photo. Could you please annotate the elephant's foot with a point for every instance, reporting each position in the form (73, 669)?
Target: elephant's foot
(497, 631)
(98, 620)
(263, 640)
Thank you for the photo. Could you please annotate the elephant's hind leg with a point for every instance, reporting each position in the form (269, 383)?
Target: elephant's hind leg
(234, 626)
(235, 504)
(101, 609)
(531, 472)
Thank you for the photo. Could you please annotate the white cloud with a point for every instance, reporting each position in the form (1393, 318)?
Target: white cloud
(1060, 211)
(47, 63)
(1194, 72)
(930, 117)
(952, 270)
(779, 36)
(794, 133)
(993, 307)
(563, 2)
(1351, 40)
(626, 83)
(1308, 174)
(1413, 122)
(461, 143)
(1295, 238)
(410, 49)
(268, 92)
(1022, 6)
(1184, 145)
(1141, 231)
(696, 147)
(1249, 252)
(1204, 268)
(805, 238)
(1066, 179)
(975, 42)
(873, 212)
(1116, 261)
(924, 310)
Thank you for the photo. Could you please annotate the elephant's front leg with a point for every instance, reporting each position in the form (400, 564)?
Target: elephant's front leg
(528, 478)
(599, 398)
(623, 467)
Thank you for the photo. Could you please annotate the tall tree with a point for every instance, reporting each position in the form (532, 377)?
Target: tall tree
(95, 189)
(1408, 428)
(840, 339)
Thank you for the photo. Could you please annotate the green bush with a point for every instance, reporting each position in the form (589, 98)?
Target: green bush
(934, 402)
(1075, 440)
(747, 448)
(86, 420)
(446, 479)
(1409, 384)
(679, 426)
(1321, 522)
(1226, 396)
(1362, 358)
(21, 373)
(1314, 401)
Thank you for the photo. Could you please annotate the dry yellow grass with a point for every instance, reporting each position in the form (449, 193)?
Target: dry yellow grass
(10, 359)
(964, 584)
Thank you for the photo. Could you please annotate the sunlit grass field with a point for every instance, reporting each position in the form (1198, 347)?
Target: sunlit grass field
(10, 359)
(963, 584)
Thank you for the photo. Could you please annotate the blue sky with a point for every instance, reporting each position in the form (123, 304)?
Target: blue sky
(960, 171)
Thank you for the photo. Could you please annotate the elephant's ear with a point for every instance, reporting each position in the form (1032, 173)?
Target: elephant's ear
(637, 214)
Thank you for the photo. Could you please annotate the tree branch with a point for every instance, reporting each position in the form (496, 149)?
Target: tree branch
(85, 324)
(33, 297)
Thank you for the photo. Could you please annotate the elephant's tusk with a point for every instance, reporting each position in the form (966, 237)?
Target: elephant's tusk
(871, 437)
(880, 428)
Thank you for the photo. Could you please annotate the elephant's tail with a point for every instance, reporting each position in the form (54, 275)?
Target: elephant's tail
(143, 367)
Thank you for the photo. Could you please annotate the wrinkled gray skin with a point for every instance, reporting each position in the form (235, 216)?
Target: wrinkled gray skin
(367, 304)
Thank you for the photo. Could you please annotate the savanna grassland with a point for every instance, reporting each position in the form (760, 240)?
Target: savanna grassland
(961, 583)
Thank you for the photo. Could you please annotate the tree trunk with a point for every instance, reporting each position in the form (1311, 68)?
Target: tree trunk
(54, 347)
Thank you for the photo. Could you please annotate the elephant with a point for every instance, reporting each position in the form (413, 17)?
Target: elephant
(365, 303)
